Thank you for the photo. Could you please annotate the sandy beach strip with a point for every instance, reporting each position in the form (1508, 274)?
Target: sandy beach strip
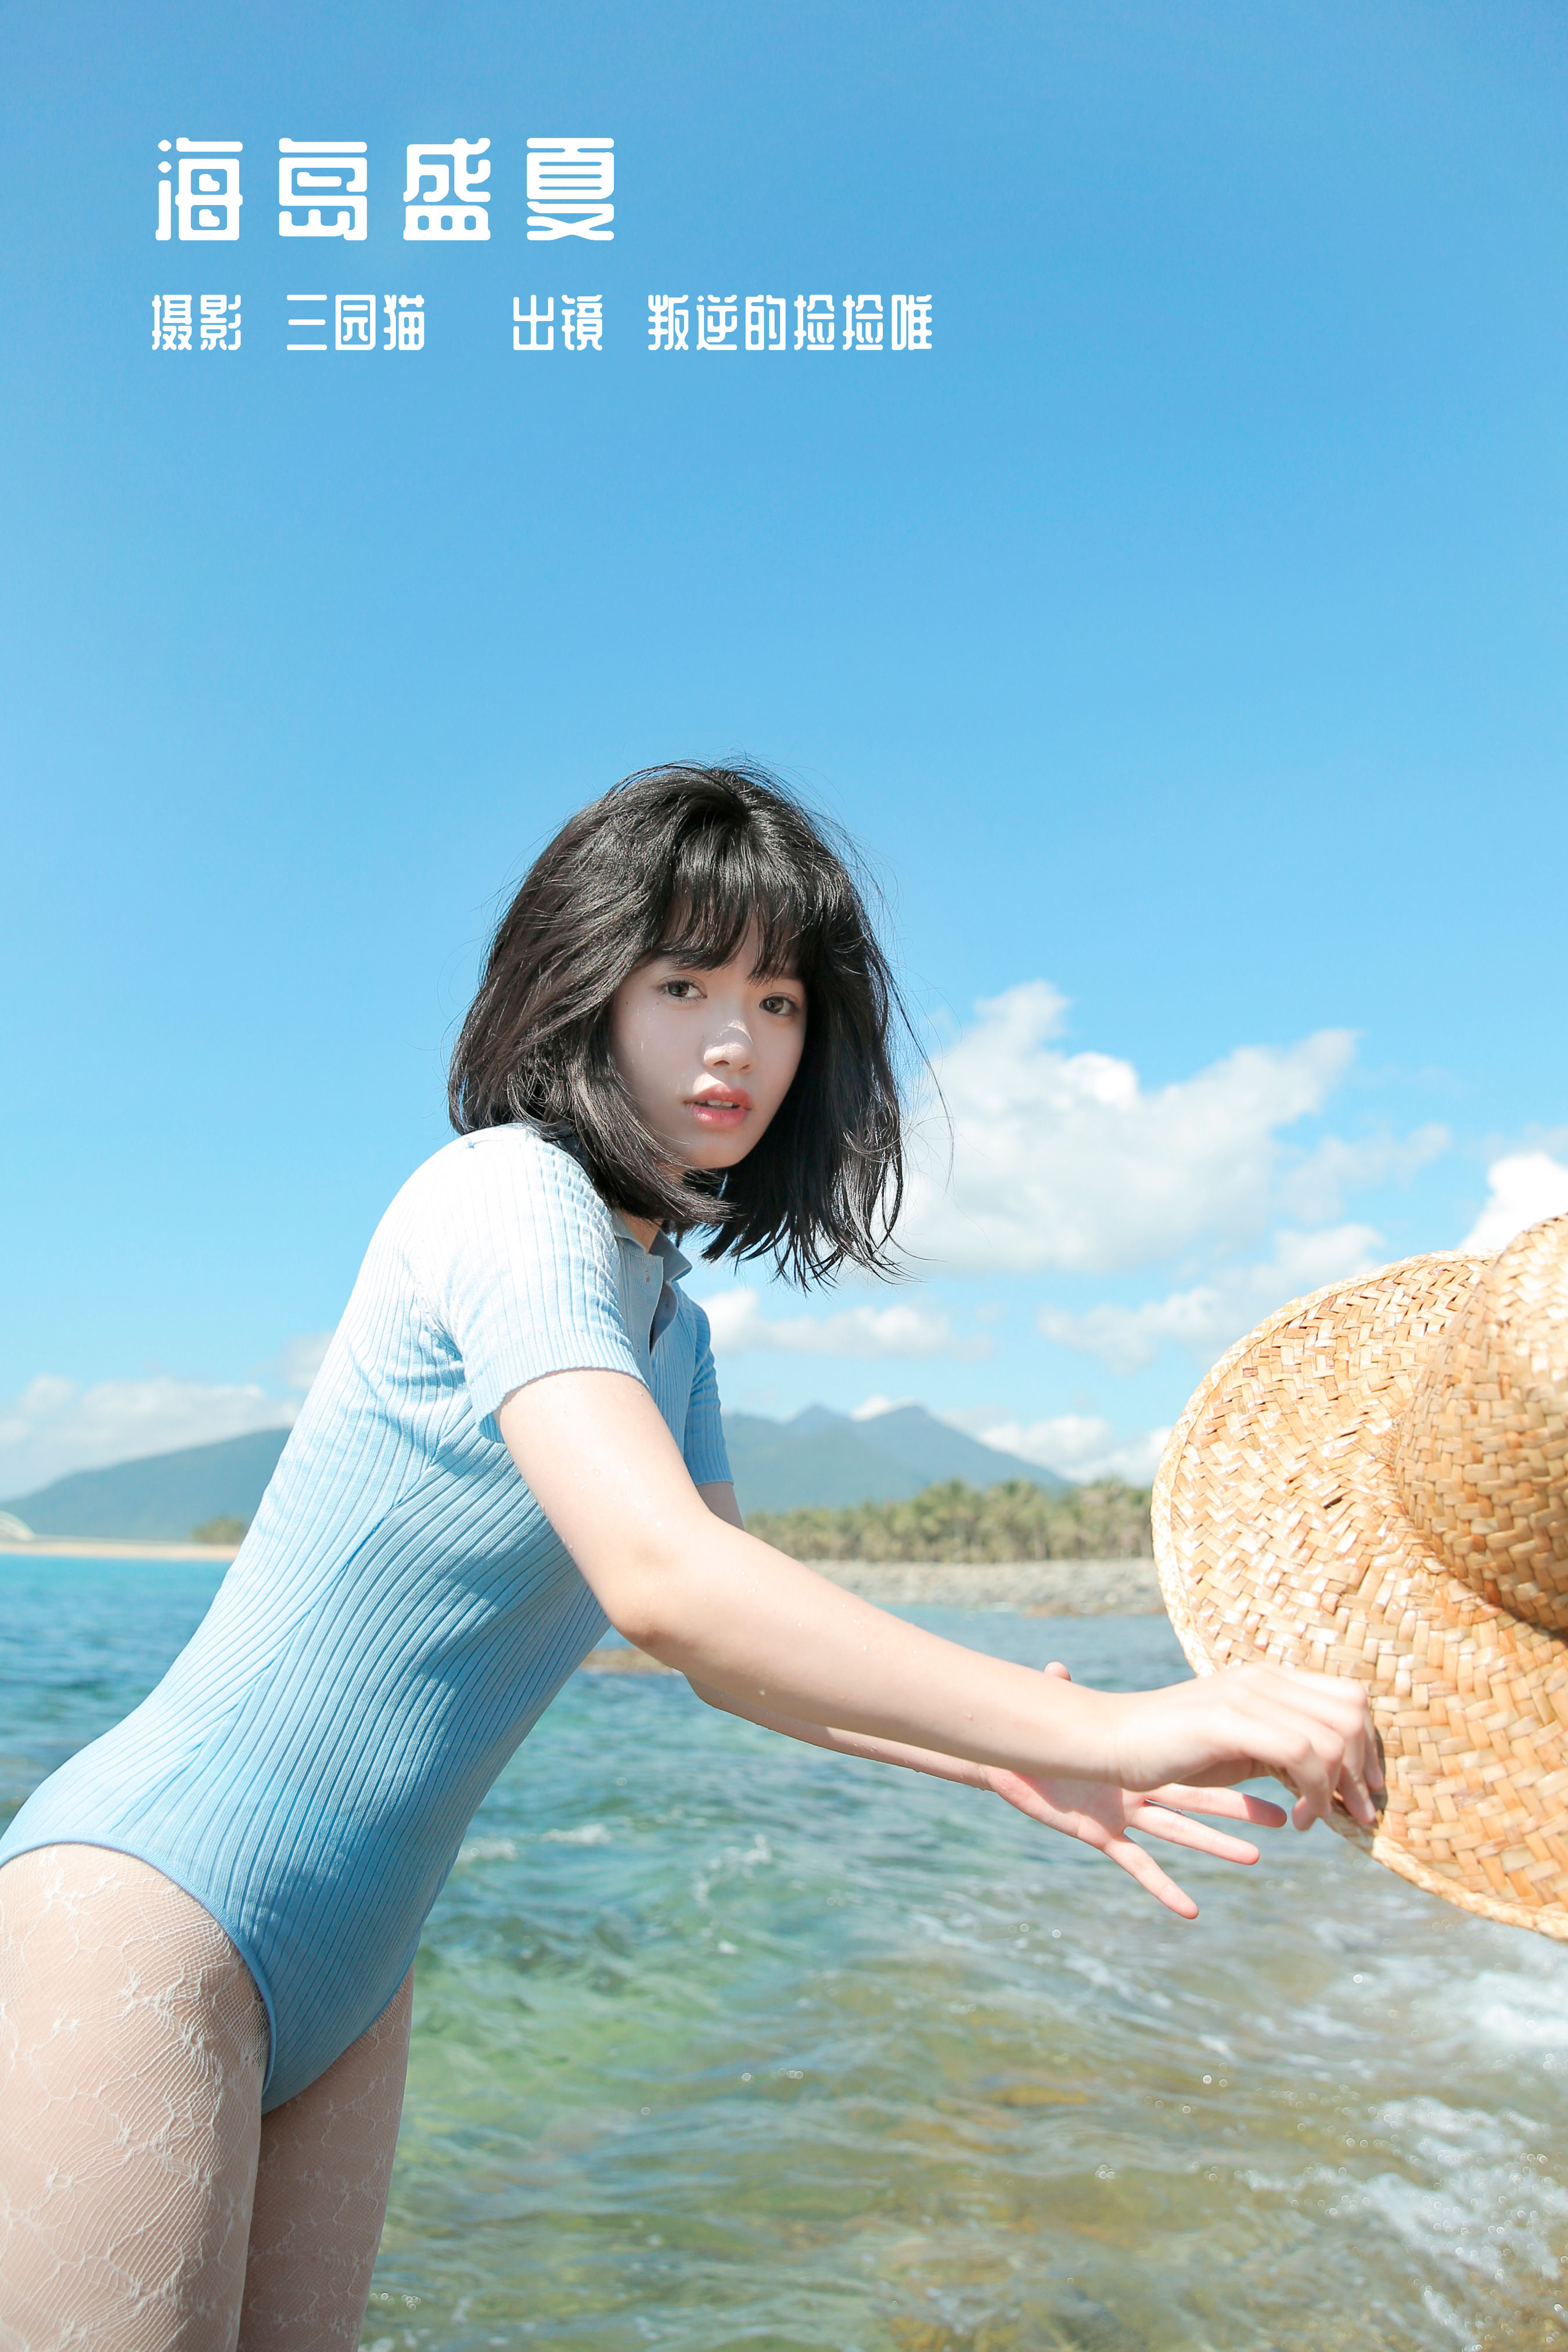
(110, 1548)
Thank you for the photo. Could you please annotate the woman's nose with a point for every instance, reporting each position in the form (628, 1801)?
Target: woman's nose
(731, 1047)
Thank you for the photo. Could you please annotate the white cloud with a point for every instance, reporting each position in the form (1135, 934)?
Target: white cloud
(301, 1358)
(1315, 1188)
(1064, 1159)
(872, 1408)
(1075, 1445)
(738, 1323)
(1525, 1188)
(1205, 1319)
(54, 1426)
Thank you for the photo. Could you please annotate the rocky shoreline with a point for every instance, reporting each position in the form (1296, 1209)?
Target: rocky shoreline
(1037, 1587)
(1033, 1588)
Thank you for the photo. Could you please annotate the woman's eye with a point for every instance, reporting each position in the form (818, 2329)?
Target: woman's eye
(680, 988)
(785, 1004)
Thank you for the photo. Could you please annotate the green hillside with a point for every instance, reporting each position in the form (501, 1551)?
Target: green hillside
(163, 1498)
(819, 1461)
(824, 1461)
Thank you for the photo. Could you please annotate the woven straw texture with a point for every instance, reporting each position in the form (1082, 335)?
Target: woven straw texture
(1375, 1482)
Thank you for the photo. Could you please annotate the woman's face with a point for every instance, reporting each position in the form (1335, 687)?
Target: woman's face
(708, 1057)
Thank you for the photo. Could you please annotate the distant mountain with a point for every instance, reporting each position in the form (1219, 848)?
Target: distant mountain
(823, 1461)
(160, 1498)
(819, 1461)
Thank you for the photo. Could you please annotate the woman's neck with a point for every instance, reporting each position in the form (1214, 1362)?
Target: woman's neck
(645, 1229)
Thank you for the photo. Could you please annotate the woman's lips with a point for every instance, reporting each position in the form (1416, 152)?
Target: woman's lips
(716, 1111)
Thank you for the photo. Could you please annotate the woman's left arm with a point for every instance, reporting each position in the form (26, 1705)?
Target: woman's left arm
(1094, 1812)
(720, 1499)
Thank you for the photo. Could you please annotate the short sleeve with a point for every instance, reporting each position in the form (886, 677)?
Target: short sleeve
(707, 1456)
(513, 1252)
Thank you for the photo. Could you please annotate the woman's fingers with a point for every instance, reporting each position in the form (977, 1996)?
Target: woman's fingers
(1313, 1761)
(1159, 1820)
(1343, 1707)
(1229, 1804)
(1343, 1771)
(1099, 1816)
(1313, 1731)
(1342, 1702)
(1349, 1746)
(1318, 1770)
(1141, 1865)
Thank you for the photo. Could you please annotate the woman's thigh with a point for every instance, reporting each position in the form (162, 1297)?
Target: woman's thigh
(132, 2050)
(321, 2194)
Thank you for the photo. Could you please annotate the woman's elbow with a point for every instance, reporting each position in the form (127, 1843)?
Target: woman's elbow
(652, 1589)
(711, 1697)
(645, 1605)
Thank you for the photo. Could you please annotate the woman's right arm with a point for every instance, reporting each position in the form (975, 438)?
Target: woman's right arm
(730, 1612)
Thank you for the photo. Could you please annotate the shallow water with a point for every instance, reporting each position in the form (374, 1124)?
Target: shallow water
(720, 2041)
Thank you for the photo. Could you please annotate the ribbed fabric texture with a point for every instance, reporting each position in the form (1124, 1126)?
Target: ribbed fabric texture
(401, 1612)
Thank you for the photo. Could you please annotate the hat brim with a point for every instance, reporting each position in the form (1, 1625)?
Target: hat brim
(1279, 1535)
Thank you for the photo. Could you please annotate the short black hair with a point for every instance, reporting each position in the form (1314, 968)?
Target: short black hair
(683, 860)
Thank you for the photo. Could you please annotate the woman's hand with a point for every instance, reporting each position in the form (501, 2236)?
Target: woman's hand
(1099, 1815)
(1313, 1732)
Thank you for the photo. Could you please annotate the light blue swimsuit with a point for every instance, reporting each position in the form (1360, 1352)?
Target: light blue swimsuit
(401, 1612)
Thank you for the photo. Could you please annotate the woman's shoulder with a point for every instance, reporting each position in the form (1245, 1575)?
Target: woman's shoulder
(503, 1175)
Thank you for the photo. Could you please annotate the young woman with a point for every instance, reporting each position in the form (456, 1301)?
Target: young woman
(208, 1918)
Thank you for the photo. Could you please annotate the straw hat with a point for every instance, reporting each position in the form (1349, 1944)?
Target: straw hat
(1375, 1482)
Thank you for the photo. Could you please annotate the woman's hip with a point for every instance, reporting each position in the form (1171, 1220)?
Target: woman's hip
(87, 1928)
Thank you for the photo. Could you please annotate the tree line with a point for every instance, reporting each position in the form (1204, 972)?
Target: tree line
(953, 1521)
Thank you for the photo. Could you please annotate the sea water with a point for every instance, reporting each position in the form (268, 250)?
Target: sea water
(722, 2042)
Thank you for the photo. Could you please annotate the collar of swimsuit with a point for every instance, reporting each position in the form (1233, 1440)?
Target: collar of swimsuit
(661, 1268)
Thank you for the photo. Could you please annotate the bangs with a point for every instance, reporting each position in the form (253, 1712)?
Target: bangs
(726, 883)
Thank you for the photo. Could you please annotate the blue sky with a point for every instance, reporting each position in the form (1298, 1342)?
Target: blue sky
(1181, 637)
